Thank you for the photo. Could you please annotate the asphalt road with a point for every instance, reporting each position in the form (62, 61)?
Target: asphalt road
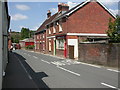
(64, 73)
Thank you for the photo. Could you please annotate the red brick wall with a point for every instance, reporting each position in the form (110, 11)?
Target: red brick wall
(64, 28)
(60, 52)
(91, 18)
(41, 43)
(105, 54)
(9, 44)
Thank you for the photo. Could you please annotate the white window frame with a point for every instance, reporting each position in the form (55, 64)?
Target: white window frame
(50, 47)
(49, 31)
(43, 36)
(37, 36)
(54, 29)
(60, 27)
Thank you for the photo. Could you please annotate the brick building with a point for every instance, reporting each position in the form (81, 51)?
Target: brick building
(64, 30)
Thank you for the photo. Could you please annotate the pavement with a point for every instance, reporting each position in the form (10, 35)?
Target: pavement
(33, 70)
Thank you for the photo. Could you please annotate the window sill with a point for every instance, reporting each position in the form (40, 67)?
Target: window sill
(60, 31)
(60, 48)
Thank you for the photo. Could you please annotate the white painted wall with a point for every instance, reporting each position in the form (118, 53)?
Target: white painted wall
(3, 40)
(74, 42)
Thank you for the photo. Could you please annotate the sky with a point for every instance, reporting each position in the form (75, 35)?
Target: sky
(31, 14)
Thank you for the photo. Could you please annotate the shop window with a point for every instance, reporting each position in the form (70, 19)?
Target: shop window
(60, 43)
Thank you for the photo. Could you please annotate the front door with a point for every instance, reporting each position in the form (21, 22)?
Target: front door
(71, 52)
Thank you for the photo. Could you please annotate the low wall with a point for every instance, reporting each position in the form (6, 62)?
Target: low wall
(60, 53)
(104, 54)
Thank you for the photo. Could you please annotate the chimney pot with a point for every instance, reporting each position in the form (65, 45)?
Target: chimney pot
(62, 7)
(48, 14)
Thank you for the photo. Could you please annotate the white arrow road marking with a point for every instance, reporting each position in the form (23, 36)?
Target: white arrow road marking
(113, 70)
(108, 85)
(45, 61)
(69, 71)
(35, 57)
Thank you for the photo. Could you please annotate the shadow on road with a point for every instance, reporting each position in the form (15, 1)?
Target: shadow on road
(37, 77)
(16, 74)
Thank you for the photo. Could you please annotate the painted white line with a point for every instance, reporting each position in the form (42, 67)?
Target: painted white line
(35, 57)
(69, 71)
(90, 65)
(108, 85)
(45, 61)
(113, 70)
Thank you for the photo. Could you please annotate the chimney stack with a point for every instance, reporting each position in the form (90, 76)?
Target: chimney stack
(48, 14)
(62, 7)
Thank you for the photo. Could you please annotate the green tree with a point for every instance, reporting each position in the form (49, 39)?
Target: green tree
(32, 33)
(114, 30)
(25, 33)
(15, 37)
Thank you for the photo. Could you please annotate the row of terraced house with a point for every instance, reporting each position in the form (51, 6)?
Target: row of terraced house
(61, 33)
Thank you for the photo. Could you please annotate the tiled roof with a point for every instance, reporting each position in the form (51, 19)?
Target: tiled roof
(43, 27)
(72, 10)
(57, 16)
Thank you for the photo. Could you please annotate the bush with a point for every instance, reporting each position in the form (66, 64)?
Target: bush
(30, 47)
(114, 30)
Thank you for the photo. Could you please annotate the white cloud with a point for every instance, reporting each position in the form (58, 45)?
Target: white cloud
(54, 10)
(18, 17)
(115, 11)
(21, 27)
(22, 7)
(109, 2)
(36, 27)
(71, 4)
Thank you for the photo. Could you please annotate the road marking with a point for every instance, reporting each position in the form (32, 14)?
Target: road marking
(29, 55)
(35, 57)
(90, 65)
(113, 70)
(45, 61)
(108, 85)
(69, 71)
